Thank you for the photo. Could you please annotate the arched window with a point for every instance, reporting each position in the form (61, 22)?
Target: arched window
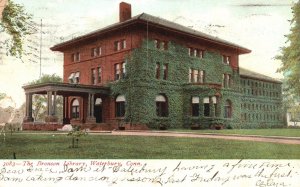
(120, 106)
(195, 106)
(161, 106)
(228, 109)
(75, 108)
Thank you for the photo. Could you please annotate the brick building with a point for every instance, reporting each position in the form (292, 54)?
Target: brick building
(147, 72)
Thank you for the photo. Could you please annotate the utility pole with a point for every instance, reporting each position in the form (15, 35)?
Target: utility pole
(41, 41)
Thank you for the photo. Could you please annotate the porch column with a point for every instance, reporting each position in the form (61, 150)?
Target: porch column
(49, 103)
(66, 118)
(89, 106)
(54, 103)
(90, 109)
(92, 105)
(28, 117)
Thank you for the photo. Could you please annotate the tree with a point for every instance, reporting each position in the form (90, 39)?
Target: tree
(39, 102)
(2, 96)
(290, 54)
(16, 23)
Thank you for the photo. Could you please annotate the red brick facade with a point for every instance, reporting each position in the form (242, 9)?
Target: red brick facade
(85, 56)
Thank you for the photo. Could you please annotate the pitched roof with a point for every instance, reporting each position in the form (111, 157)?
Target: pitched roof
(255, 75)
(149, 19)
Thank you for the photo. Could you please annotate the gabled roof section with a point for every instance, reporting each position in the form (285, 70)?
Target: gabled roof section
(251, 74)
(154, 21)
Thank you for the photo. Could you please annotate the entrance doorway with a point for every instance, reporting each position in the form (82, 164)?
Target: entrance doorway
(98, 110)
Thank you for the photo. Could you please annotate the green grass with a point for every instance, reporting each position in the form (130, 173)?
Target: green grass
(36, 146)
(261, 132)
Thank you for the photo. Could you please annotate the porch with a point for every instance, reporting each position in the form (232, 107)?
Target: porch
(84, 105)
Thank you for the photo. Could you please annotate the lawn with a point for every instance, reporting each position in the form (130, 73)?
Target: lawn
(47, 146)
(259, 132)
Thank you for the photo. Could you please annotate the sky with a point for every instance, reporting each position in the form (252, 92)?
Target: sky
(259, 25)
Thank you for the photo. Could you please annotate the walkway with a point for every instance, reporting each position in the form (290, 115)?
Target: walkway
(255, 138)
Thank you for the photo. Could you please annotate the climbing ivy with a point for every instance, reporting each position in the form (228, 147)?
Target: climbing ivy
(140, 87)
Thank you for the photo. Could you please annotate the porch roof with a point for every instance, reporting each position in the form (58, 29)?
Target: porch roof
(66, 89)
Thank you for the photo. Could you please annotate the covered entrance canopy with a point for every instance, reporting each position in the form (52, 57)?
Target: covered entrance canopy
(52, 90)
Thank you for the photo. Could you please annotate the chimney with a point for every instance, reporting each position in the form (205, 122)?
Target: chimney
(125, 11)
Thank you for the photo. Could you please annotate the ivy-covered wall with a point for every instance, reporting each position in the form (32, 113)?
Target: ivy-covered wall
(141, 86)
(261, 105)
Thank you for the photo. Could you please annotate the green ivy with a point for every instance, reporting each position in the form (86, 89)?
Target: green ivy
(141, 87)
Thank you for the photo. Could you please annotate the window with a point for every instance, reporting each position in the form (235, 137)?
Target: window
(75, 108)
(99, 74)
(120, 106)
(201, 54)
(117, 46)
(74, 78)
(226, 59)
(156, 43)
(165, 71)
(123, 70)
(96, 51)
(201, 76)
(117, 72)
(123, 44)
(93, 76)
(226, 80)
(77, 77)
(195, 106)
(196, 76)
(163, 45)
(75, 57)
(161, 106)
(195, 52)
(190, 75)
(206, 106)
(157, 68)
(228, 109)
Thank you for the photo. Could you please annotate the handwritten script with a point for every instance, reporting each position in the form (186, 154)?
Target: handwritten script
(260, 173)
